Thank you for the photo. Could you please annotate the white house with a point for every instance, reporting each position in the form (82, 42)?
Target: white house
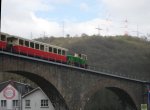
(10, 98)
(36, 100)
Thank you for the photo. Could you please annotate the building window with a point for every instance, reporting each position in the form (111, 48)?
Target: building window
(44, 103)
(3, 103)
(27, 103)
(15, 103)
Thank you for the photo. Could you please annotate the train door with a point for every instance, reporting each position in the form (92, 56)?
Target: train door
(13, 41)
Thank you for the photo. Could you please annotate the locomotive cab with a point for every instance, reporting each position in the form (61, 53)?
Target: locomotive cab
(82, 56)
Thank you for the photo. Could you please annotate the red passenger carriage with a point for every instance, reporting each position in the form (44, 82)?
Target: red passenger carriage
(38, 49)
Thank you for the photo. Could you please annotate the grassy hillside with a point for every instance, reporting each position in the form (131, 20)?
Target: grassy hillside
(124, 55)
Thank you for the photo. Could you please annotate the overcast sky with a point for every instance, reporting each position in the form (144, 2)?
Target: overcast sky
(74, 17)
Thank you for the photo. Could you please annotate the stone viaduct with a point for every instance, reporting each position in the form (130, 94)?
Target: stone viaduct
(68, 87)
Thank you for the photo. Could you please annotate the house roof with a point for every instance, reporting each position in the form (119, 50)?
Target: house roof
(20, 87)
(32, 91)
(3, 85)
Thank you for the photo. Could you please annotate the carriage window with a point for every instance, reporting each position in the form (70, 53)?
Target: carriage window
(27, 43)
(50, 49)
(20, 42)
(31, 44)
(41, 47)
(55, 50)
(3, 38)
(63, 52)
(59, 51)
(36, 46)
